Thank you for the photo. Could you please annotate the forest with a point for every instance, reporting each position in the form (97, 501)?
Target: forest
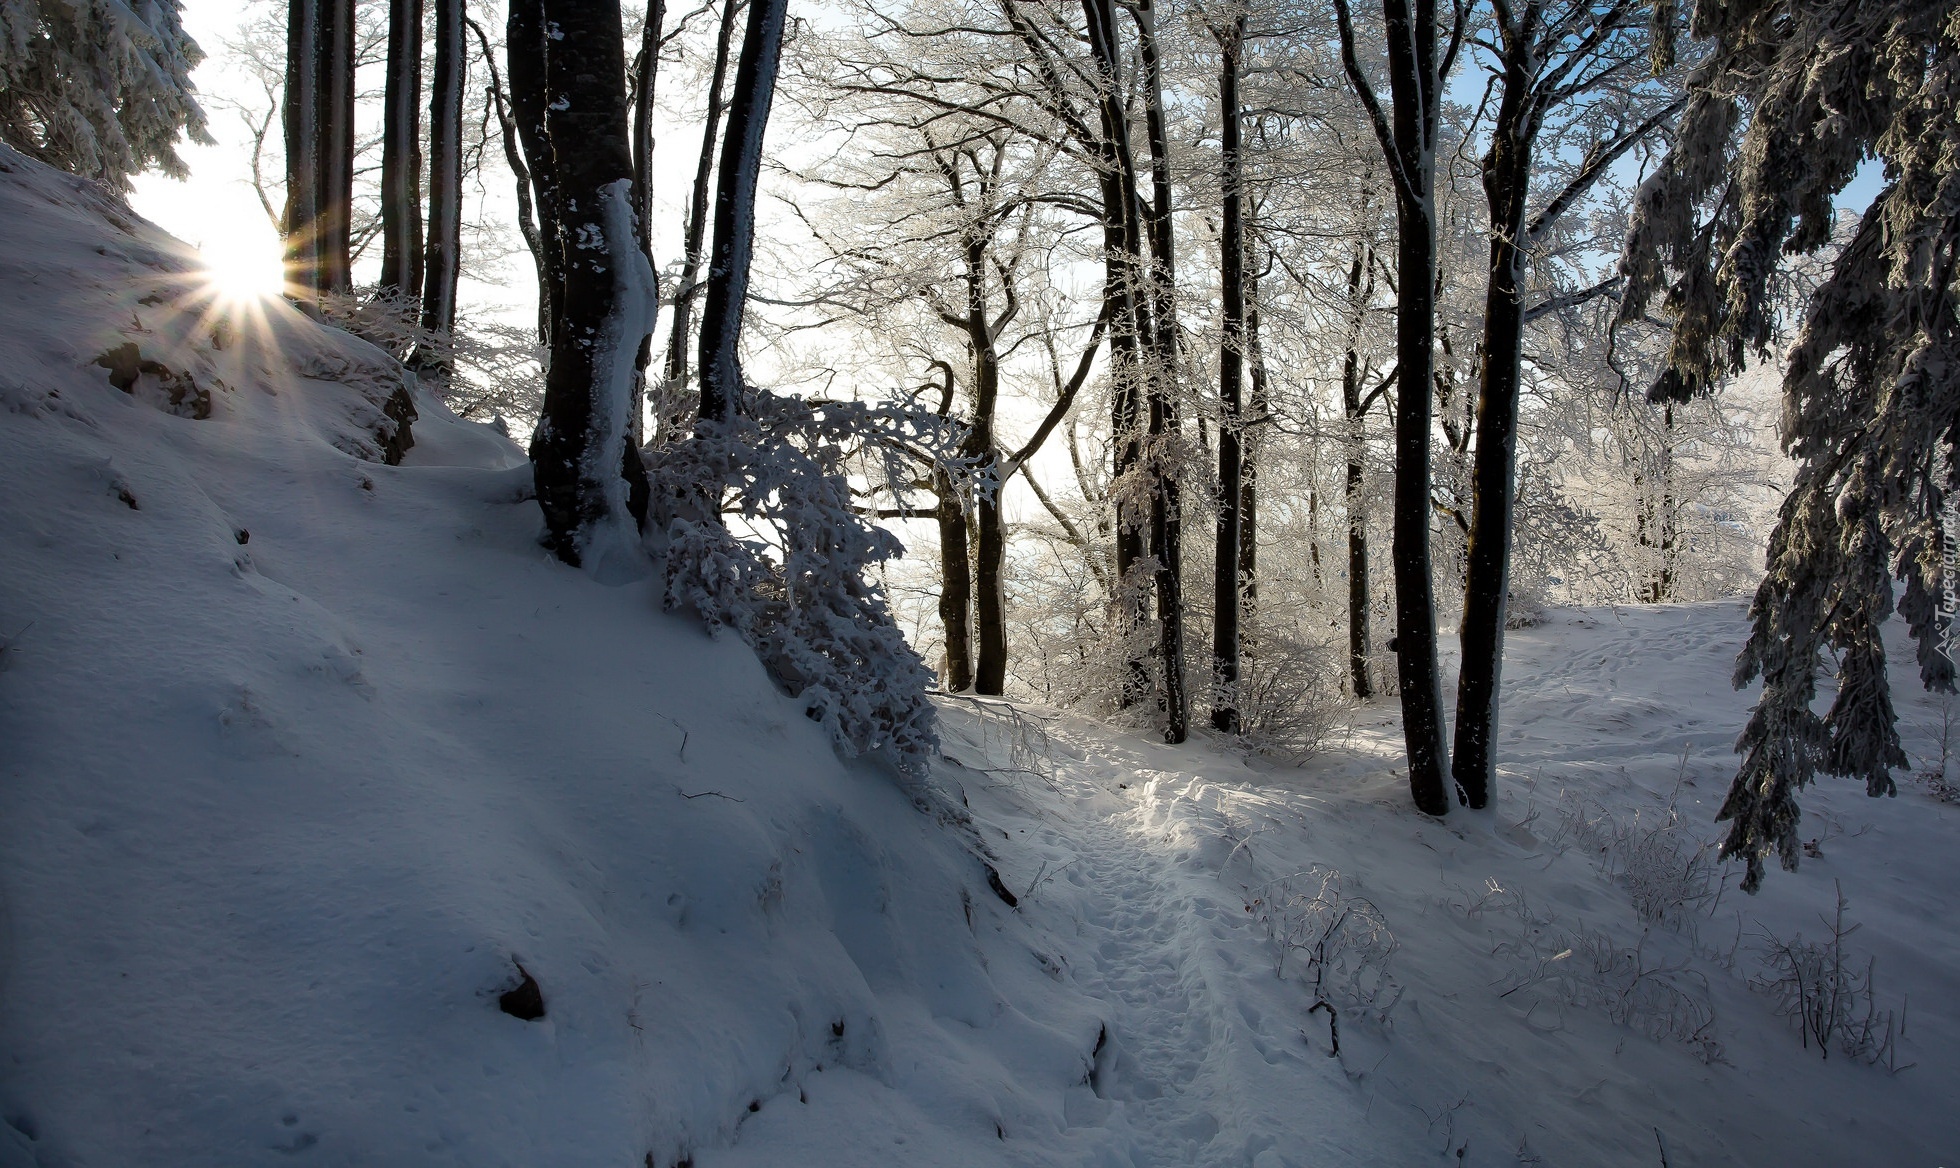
(1222, 377)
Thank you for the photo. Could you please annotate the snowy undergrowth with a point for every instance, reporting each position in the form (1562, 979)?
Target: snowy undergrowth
(1571, 980)
(303, 755)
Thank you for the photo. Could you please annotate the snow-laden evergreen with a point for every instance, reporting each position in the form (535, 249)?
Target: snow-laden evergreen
(1792, 98)
(101, 88)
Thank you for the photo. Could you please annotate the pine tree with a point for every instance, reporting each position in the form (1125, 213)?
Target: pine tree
(1795, 95)
(97, 87)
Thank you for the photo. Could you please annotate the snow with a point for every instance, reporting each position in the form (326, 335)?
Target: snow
(301, 755)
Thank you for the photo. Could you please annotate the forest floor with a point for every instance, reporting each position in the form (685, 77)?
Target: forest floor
(307, 761)
(1573, 978)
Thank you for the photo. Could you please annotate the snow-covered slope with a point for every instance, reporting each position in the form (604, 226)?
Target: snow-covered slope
(304, 755)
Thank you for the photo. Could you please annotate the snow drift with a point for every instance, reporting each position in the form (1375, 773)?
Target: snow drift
(303, 757)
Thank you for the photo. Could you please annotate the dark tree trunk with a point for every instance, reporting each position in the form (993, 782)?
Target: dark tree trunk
(443, 250)
(527, 89)
(1414, 80)
(401, 155)
(956, 586)
(646, 73)
(1507, 178)
(1129, 331)
(1166, 504)
(1354, 441)
(734, 239)
(568, 68)
(1249, 476)
(336, 149)
(1231, 422)
(302, 126)
(696, 226)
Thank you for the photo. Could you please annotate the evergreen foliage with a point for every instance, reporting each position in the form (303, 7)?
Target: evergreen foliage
(101, 88)
(1793, 97)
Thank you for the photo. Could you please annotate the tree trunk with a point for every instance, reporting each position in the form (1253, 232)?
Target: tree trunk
(1166, 504)
(1360, 284)
(697, 207)
(401, 156)
(1231, 422)
(1249, 478)
(734, 239)
(956, 585)
(1413, 80)
(573, 51)
(336, 150)
(442, 257)
(1130, 328)
(646, 72)
(1507, 177)
(527, 90)
(302, 126)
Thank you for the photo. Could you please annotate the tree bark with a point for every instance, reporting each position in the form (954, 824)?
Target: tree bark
(1354, 440)
(735, 191)
(646, 73)
(1414, 81)
(956, 585)
(302, 127)
(1231, 422)
(401, 156)
(697, 208)
(443, 250)
(568, 69)
(336, 150)
(1130, 327)
(1166, 503)
(1507, 178)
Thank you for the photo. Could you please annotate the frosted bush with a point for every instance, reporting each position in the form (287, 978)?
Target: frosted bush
(796, 582)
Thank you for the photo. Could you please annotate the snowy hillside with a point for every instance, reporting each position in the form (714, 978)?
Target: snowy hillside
(307, 761)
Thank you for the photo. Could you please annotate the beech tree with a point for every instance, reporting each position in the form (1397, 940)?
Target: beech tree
(401, 155)
(568, 82)
(1407, 133)
(1572, 70)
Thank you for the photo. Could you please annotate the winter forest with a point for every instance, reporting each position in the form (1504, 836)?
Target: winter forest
(1253, 583)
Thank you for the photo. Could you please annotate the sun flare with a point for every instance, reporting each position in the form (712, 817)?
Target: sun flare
(243, 273)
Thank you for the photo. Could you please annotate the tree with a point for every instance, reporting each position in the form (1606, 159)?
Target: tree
(319, 122)
(1415, 72)
(734, 238)
(401, 155)
(442, 262)
(1232, 492)
(99, 88)
(1574, 63)
(1792, 98)
(568, 80)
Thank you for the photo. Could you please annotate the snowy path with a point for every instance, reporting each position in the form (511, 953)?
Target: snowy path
(1202, 1061)
(1136, 859)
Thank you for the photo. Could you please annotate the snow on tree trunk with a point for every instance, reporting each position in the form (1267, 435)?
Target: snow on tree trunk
(604, 294)
(734, 239)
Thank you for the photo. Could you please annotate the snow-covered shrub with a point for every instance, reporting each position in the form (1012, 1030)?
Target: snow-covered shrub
(1344, 939)
(100, 88)
(497, 368)
(1589, 969)
(1669, 871)
(1819, 986)
(796, 586)
(1289, 699)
